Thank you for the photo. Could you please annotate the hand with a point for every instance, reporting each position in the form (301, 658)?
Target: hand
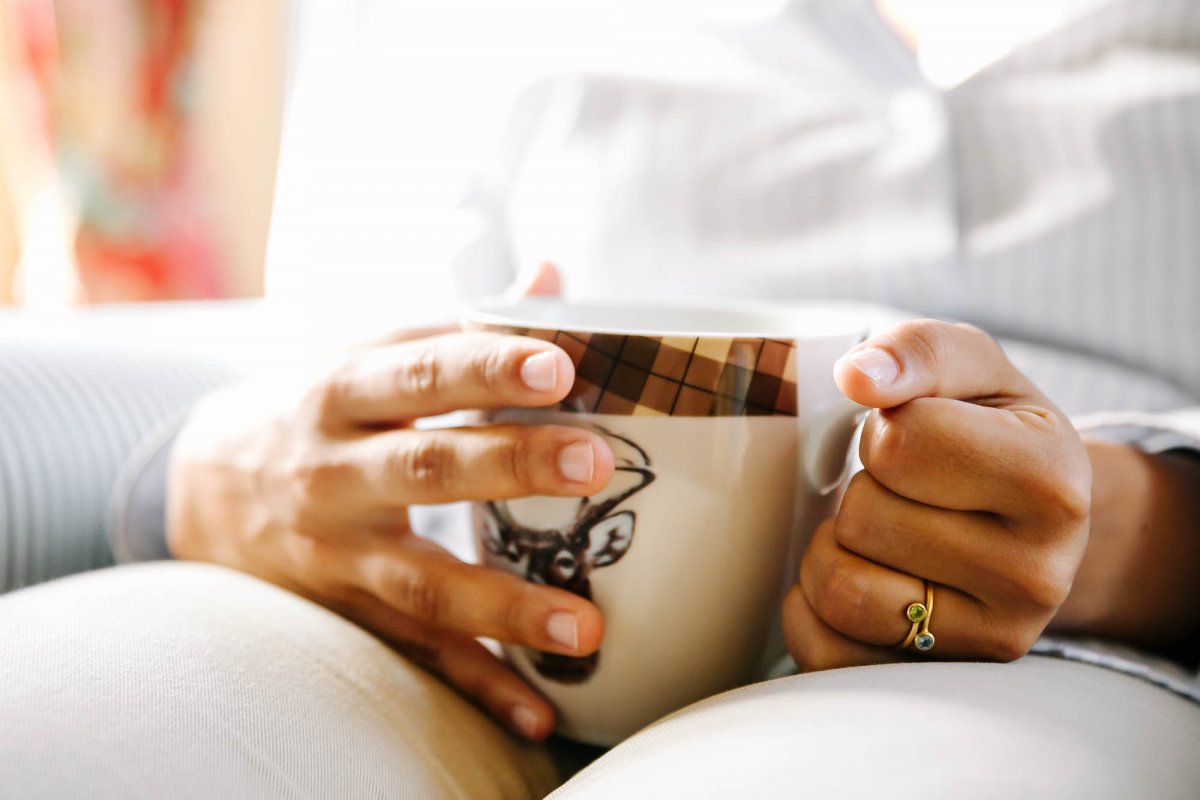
(972, 479)
(308, 486)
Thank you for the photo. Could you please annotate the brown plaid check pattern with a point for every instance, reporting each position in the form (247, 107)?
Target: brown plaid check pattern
(676, 376)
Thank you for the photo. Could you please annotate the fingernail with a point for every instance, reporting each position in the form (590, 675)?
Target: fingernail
(540, 372)
(525, 720)
(561, 627)
(877, 365)
(575, 462)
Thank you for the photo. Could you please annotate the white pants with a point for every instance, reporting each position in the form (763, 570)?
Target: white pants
(182, 680)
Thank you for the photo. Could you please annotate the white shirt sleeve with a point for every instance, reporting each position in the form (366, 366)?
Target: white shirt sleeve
(1149, 432)
(484, 263)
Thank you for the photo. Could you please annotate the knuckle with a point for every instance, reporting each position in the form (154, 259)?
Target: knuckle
(318, 479)
(977, 333)
(816, 656)
(423, 464)
(1046, 582)
(475, 685)
(927, 340)
(513, 617)
(1070, 492)
(491, 365)
(1059, 489)
(1008, 646)
(888, 445)
(326, 397)
(1072, 503)
(791, 613)
(320, 561)
(840, 595)
(520, 458)
(852, 524)
(417, 593)
(1000, 639)
(933, 342)
(420, 373)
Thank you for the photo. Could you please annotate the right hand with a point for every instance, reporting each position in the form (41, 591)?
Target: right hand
(308, 487)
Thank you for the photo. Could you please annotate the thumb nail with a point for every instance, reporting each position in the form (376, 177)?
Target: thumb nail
(877, 365)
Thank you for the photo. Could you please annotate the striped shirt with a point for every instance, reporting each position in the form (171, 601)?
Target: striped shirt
(1052, 197)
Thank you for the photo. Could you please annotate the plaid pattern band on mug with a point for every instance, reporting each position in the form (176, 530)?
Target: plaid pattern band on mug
(678, 376)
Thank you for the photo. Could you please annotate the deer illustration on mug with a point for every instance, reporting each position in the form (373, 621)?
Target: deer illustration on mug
(564, 557)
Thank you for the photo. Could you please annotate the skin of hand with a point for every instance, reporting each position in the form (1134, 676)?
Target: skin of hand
(1138, 580)
(972, 479)
(307, 485)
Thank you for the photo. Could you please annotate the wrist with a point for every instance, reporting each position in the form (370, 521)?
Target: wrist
(137, 519)
(1119, 487)
(1137, 581)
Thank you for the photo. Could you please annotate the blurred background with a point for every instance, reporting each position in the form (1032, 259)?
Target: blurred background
(197, 149)
(139, 139)
(137, 147)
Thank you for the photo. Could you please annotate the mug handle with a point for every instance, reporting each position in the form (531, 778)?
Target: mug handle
(827, 445)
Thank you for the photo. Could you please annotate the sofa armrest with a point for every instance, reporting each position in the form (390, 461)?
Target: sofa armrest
(73, 413)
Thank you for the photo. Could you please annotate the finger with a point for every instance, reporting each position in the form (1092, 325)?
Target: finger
(465, 664)
(974, 553)
(493, 462)
(853, 596)
(417, 578)
(929, 358)
(815, 646)
(867, 602)
(427, 377)
(546, 282)
(1018, 462)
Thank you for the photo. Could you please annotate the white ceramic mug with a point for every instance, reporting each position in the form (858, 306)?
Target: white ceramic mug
(730, 438)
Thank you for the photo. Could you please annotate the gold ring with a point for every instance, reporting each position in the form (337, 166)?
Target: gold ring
(919, 614)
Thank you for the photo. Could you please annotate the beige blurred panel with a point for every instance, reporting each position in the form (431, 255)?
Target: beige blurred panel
(9, 238)
(242, 59)
(898, 14)
(9, 248)
(36, 261)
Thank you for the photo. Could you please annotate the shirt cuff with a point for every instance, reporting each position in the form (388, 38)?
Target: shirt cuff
(1149, 432)
(137, 519)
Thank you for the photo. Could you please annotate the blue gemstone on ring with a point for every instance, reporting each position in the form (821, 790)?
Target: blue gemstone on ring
(924, 641)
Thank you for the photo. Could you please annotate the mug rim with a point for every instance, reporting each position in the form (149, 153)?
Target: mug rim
(792, 322)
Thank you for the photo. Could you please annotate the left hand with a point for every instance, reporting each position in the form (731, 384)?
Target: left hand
(972, 480)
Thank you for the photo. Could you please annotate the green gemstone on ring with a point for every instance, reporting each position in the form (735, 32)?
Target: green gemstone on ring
(924, 642)
(916, 612)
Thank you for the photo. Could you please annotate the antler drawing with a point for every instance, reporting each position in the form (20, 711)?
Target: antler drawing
(565, 557)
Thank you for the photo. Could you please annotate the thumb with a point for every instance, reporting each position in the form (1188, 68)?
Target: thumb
(546, 282)
(930, 358)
